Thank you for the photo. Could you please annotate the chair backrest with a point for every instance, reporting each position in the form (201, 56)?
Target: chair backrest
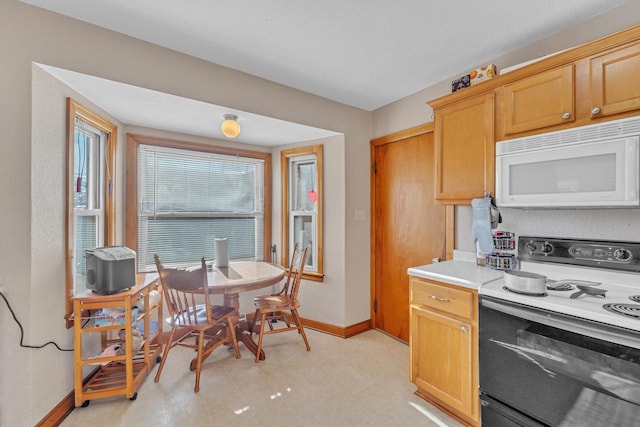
(290, 272)
(183, 291)
(296, 268)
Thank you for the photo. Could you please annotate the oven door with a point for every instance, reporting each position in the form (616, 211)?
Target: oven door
(556, 369)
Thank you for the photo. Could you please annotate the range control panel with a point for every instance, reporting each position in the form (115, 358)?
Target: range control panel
(623, 256)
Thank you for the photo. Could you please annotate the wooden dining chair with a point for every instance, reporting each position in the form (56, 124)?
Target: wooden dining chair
(290, 276)
(199, 324)
(282, 305)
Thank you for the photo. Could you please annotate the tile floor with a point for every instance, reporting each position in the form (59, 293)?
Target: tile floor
(360, 381)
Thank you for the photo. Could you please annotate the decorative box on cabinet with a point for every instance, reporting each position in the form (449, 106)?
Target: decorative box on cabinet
(444, 347)
(119, 374)
(464, 148)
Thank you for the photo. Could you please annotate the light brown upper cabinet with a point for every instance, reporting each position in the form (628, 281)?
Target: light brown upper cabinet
(542, 100)
(615, 82)
(464, 149)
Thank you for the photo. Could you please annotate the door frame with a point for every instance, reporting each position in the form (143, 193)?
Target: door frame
(449, 209)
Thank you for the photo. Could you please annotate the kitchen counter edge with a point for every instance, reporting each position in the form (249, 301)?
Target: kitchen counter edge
(455, 272)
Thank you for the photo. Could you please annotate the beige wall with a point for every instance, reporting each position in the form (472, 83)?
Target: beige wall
(32, 179)
(314, 295)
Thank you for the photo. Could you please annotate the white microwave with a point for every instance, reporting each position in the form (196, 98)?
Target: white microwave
(590, 166)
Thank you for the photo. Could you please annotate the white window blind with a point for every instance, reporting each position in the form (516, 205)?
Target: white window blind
(187, 198)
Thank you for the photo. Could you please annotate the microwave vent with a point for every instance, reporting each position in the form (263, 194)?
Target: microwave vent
(579, 135)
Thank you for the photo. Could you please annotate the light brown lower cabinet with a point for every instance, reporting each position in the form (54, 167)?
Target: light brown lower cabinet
(444, 347)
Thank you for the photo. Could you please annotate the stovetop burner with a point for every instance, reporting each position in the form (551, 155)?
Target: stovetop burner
(635, 298)
(530, 294)
(631, 310)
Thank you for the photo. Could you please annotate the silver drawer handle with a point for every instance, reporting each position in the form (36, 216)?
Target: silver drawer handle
(439, 298)
(566, 116)
(464, 329)
(595, 110)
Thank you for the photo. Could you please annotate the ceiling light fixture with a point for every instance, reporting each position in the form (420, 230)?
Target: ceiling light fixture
(230, 127)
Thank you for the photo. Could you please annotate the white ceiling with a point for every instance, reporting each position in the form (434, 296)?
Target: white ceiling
(158, 110)
(364, 53)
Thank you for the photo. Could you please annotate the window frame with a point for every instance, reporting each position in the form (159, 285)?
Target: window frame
(76, 111)
(287, 218)
(131, 211)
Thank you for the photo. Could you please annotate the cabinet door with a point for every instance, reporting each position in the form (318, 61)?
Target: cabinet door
(465, 149)
(441, 359)
(615, 82)
(542, 100)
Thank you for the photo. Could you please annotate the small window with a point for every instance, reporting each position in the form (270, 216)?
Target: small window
(302, 206)
(90, 166)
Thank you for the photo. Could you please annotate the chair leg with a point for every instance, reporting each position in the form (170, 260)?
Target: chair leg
(296, 318)
(165, 353)
(263, 319)
(232, 331)
(199, 360)
(286, 319)
(253, 322)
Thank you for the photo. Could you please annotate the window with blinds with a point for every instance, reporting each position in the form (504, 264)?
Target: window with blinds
(188, 198)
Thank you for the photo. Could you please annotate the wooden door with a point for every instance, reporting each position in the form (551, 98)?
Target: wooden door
(408, 227)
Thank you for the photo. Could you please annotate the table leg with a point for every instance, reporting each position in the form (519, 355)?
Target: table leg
(243, 334)
(242, 331)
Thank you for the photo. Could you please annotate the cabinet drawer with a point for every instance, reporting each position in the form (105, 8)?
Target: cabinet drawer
(447, 299)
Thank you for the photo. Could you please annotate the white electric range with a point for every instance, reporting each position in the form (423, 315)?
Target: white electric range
(553, 360)
(607, 266)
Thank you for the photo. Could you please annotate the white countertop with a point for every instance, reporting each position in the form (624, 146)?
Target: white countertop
(462, 272)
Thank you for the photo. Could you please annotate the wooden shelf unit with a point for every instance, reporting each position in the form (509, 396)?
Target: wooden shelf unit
(121, 374)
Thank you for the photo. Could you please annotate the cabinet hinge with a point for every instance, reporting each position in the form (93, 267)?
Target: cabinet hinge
(375, 306)
(375, 168)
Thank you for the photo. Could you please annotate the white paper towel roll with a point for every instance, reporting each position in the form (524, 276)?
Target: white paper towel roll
(154, 299)
(222, 252)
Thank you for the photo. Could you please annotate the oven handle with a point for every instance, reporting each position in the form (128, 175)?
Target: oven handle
(583, 327)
